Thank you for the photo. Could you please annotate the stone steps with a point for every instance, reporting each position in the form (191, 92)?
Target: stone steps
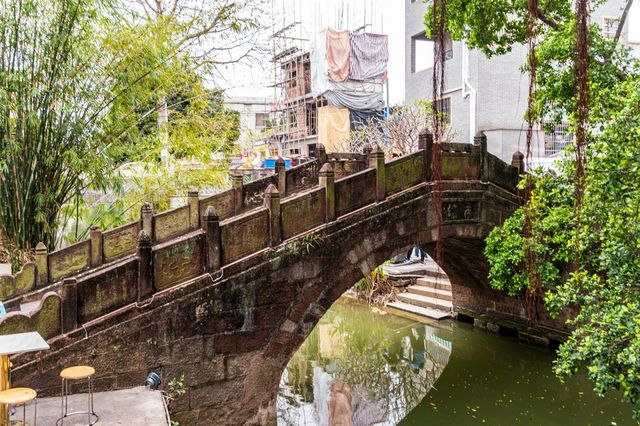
(430, 296)
(434, 271)
(426, 301)
(430, 292)
(435, 283)
(418, 310)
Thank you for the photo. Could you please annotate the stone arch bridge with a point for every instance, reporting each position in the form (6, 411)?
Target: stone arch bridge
(225, 289)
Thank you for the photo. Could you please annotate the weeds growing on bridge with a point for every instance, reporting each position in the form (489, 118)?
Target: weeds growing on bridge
(376, 288)
(303, 245)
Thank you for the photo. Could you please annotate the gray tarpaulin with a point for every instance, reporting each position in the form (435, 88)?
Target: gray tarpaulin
(359, 119)
(355, 101)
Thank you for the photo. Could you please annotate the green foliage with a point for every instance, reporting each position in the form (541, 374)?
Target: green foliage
(81, 83)
(176, 387)
(302, 245)
(609, 64)
(496, 26)
(551, 213)
(606, 336)
(198, 136)
(604, 241)
(375, 288)
(52, 100)
(198, 125)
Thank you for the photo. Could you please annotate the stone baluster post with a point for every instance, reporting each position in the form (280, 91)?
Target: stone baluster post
(42, 265)
(193, 198)
(95, 235)
(480, 140)
(367, 154)
(272, 203)
(321, 154)
(327, 181)
(237, 181)
(425, 144)
(145, 266)
(213, 240)
(69, 312)
(517, 161)
(146, 215)
(376, 161)
(281, 172)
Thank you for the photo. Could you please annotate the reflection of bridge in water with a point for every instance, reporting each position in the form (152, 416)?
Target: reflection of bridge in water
(360, 368)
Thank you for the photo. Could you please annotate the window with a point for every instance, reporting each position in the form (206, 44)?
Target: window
(261, 120)
(294, 151)
(443, 106)
(556, 138)
(421, 53)
(610, 26)
(293, 119)
(633, 25)
(448, 47)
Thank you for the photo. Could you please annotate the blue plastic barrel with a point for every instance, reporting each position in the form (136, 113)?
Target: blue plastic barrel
(270, 163)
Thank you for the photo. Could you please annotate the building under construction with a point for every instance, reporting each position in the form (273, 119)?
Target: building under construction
(324, 83)
(294, 116)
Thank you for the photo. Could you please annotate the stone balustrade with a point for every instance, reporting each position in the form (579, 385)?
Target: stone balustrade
(227, 302)
(105, 247)
(129, 264)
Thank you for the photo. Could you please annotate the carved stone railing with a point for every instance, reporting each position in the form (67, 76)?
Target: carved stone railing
(46, 318)
(23, 282)
(103, 248)
(206, 235)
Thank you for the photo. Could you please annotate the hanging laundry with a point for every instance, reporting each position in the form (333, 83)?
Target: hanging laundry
(353, 100)
(333, 128)
(369, 56)
(319, 65)
(320, 72)
(338, 46)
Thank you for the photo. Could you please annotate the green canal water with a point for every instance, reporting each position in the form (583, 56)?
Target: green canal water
(386, 370)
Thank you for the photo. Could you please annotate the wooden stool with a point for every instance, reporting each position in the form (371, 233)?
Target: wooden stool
(20, 396)
(78, 372)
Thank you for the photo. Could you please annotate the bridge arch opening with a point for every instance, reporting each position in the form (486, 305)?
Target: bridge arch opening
(340, 260)
(335, 380)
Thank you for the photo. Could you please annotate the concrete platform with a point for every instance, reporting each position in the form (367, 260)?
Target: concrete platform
(431, 313)
(131, 407)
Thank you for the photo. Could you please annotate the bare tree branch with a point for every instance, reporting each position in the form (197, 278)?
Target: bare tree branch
(623, 20)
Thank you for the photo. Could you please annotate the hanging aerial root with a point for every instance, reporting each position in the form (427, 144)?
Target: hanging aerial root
(438, 33)
(581, 66)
